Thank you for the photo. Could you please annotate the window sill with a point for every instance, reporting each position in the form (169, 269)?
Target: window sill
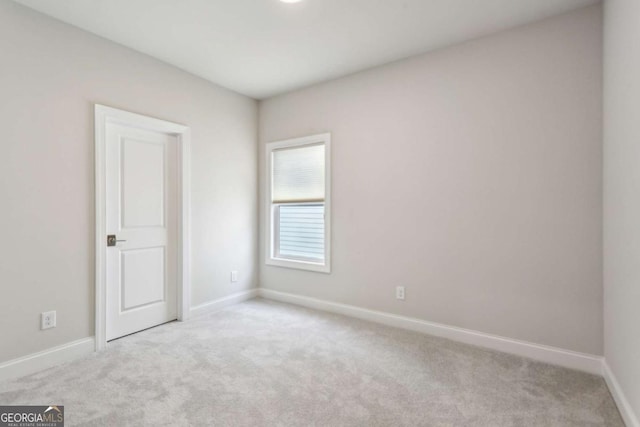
(299, 265)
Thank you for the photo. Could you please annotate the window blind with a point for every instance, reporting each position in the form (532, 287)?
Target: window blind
(301, 231)
(298, 174)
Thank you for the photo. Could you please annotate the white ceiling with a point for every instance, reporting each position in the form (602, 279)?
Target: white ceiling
(265, 47)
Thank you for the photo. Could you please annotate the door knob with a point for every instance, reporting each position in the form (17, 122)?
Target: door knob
(112, 240)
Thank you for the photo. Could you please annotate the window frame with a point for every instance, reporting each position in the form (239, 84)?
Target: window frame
(271, 255)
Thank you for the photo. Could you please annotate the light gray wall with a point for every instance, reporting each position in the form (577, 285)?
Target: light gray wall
(622, 195)
(50, 76)
(470, 175)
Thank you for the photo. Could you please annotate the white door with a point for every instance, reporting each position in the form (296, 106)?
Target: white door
(141, 208)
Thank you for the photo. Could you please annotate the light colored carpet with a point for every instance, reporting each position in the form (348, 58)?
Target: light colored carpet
(263, 363)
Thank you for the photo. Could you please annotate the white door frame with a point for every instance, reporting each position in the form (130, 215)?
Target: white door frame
(103, 116)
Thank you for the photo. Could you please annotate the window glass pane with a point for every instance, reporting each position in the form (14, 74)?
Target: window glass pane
(301, 231)
(298, 174)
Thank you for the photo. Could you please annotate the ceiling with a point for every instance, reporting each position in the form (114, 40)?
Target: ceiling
(261, 48)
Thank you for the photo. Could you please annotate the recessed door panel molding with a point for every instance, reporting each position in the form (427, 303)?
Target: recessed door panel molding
(144, 165)
(142, 281)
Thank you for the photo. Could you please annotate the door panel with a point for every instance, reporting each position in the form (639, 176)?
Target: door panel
(143, 171)
(141, 212)
(143, 273)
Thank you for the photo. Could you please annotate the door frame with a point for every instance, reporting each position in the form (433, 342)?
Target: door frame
(107, 115)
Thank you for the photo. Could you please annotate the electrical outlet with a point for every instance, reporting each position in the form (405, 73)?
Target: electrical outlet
(400, 292)
(48, 320)
(234, 276)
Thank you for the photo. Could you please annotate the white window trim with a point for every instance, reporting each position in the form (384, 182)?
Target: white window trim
(269, 249)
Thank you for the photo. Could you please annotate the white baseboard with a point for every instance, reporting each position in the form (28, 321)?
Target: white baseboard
(583, 362)
(629, 417)
(552, 355)
(219, 304)
(51, 357)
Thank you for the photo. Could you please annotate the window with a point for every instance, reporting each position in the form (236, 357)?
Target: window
(298, 203)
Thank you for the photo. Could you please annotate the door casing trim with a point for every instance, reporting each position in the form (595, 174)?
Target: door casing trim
(107, 115)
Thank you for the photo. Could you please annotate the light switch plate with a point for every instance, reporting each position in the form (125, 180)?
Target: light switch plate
(234, 276)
